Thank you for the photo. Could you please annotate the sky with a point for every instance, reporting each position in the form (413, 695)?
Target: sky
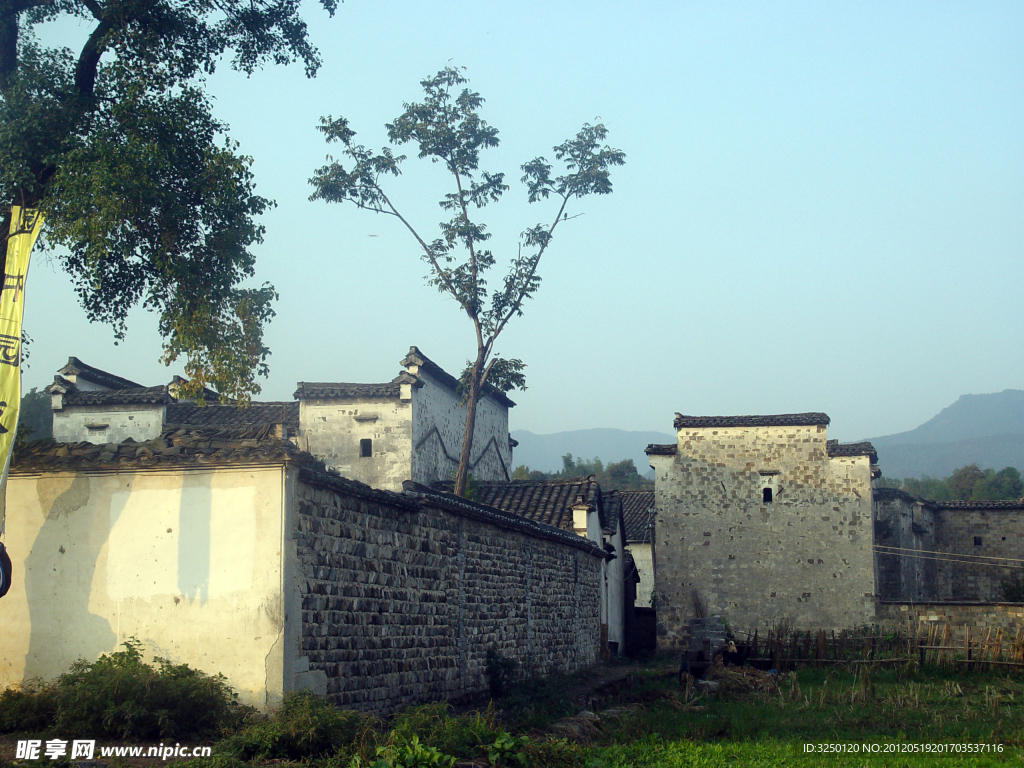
(822, 209)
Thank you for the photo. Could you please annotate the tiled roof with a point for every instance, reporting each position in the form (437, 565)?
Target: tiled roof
(133, 396)
(171, 449)
(76, 367)
(637, 514)
(185, 414)
(778, 420)
(325, 390)
(655, 449)
(852, 449)
(991, 504)
(416, 357)
(322, 390)
(549, 502)
(498, 516)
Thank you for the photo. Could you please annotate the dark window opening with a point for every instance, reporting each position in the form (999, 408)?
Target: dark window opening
(766, 495)
(977, 541)
(365, 448)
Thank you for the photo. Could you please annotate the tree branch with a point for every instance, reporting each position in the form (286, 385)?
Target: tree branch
(522, 291)
(426, 248)
(88, 61)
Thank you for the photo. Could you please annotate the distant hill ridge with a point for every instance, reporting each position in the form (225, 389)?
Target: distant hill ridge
(983, 429)
(545, 452)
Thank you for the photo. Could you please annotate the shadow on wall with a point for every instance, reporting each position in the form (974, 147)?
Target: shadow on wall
(59, 573)
(102, 547)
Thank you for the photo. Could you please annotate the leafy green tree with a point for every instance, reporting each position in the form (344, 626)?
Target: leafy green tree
(961, 483)
(35, 419)
(115, 143)
(969, 483)
(447, 128)
(1004, 484)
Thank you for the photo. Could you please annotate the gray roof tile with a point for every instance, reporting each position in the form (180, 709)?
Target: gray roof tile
(778, 420)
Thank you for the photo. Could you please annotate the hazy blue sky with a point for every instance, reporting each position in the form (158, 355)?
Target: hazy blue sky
(821, 209)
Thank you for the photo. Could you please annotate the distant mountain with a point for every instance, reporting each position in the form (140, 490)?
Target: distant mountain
(544, 452)
(987, 429)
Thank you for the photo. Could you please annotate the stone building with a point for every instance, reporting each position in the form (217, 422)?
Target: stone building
(762, 519)
(381, 434)
(946, 551)
(580, 506)
(638, 516)
(232, 550)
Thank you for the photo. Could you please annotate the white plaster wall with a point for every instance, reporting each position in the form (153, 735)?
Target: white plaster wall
(616, 590)
(645, 569)
(188, 562)
(331, 431)
(438, 423)
(139, 422)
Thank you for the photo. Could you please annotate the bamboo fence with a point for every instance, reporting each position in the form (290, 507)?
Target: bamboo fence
(932, 643)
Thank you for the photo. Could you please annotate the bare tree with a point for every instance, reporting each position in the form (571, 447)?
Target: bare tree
(448, 129)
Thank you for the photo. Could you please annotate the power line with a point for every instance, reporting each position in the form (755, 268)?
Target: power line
(937, 552)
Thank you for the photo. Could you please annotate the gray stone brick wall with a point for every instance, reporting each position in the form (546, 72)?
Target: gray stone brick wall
(979, 616)
(804, 557)
(401, 600)
(944, 554)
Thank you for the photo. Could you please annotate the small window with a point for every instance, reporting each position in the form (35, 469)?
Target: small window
(977, 541)
(366, 448)
(766, 495)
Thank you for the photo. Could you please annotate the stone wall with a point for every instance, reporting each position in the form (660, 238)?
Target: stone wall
(946, 551)
(977, 616)
(402, 598)
(765, 526)
(438, 423)
(981, 536)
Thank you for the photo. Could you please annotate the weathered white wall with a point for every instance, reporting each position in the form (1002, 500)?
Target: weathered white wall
(139, 422)
(645, 569)
(806, 557)
(331, 431)
(438, 423)
(188, 562)
(615, 573)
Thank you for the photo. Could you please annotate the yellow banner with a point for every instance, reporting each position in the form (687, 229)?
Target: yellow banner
(25, 226)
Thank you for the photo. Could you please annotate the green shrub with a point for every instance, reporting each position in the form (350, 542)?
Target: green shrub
(405, 753)
(464, 736)
(305, 726)
(501, 673)
(120, 696)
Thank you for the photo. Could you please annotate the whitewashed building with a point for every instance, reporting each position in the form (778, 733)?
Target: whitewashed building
(409, 428)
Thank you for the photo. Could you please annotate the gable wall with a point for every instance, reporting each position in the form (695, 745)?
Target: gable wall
(805, 558)
(438, 423)
(331, 431)
(139, 422)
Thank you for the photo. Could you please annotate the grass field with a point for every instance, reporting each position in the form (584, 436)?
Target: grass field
(859, 712)
(641, 717)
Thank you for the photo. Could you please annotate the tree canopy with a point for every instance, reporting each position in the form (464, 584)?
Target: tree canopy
(117, 145)
(447, 128)
(969, 483)
(615, 476)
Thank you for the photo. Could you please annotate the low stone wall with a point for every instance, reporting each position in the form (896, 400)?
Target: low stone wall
(982, 616)
(403, 595)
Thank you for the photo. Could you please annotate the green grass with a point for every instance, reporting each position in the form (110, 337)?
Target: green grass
(815, 706)
(663, 727)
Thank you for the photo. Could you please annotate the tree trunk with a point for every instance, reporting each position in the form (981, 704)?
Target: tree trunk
(462, 473)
